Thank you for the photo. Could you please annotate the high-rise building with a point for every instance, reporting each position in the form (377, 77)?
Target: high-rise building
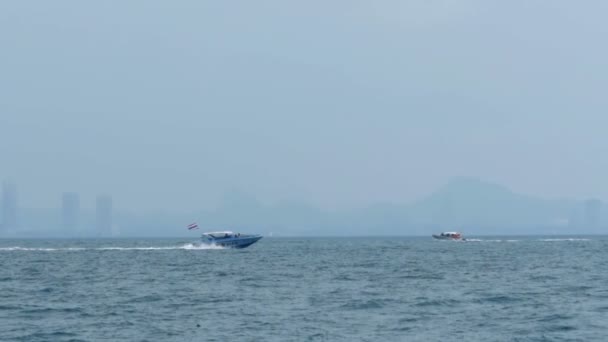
(9, 205)
(70, 211)
(592, 209)
(103, 215)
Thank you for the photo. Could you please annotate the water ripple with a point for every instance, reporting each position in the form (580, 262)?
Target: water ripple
(538, 289)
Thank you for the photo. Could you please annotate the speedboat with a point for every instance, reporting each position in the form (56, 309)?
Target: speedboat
(449, 236)
(229, 239)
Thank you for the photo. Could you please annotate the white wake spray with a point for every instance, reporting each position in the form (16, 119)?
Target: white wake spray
(187, 246)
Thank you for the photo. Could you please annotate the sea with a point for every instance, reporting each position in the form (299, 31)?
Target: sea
(306, 289)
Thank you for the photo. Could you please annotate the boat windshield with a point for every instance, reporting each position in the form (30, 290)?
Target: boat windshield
(451, 234)
(220, 235)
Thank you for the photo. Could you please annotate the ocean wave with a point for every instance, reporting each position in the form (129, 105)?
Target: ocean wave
(364, 304)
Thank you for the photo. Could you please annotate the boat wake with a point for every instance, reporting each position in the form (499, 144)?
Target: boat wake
(559, 240)
(490, 240)
(200, 246)
(187, 246)
(522, 240)
(17, 248)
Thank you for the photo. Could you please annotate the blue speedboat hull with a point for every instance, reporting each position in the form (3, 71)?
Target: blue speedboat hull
(242, 241)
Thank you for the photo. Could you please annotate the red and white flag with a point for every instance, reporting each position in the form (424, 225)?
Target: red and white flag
(192, 226)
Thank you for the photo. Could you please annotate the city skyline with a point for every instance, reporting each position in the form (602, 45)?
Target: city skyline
(69, 215)
(90, 201)
(462, 202)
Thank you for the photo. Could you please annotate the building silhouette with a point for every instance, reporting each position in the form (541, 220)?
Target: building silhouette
(103, 215)
(591, 213)
(9, 206)
(70, 211)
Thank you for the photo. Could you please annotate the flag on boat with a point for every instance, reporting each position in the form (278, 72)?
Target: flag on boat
(192, 226)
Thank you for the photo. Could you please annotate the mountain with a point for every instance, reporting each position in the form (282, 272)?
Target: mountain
(467, 204)
(472, 204)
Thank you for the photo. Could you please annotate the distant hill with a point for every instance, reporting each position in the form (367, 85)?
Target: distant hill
(470, 205)
(467, 203)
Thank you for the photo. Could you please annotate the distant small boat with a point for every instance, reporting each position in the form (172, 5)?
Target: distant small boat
(449, 236)
(229, 239)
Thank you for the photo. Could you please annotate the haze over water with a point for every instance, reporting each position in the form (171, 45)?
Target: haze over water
(335, 118)
(171, 106)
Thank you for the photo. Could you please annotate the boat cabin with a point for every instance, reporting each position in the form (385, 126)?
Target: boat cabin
(221, 235)
(454, 235)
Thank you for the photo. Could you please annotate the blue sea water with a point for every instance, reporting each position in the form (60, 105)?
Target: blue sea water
(305, 289)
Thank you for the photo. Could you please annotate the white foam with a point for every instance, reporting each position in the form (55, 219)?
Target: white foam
(187, 246)
(17, 248)
(200, 246)
(483, 240)
(544, 240)
(570, 239)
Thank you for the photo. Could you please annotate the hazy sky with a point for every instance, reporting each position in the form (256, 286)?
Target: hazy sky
(170, 104)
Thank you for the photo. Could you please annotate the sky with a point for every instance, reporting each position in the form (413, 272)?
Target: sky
(174, 104)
